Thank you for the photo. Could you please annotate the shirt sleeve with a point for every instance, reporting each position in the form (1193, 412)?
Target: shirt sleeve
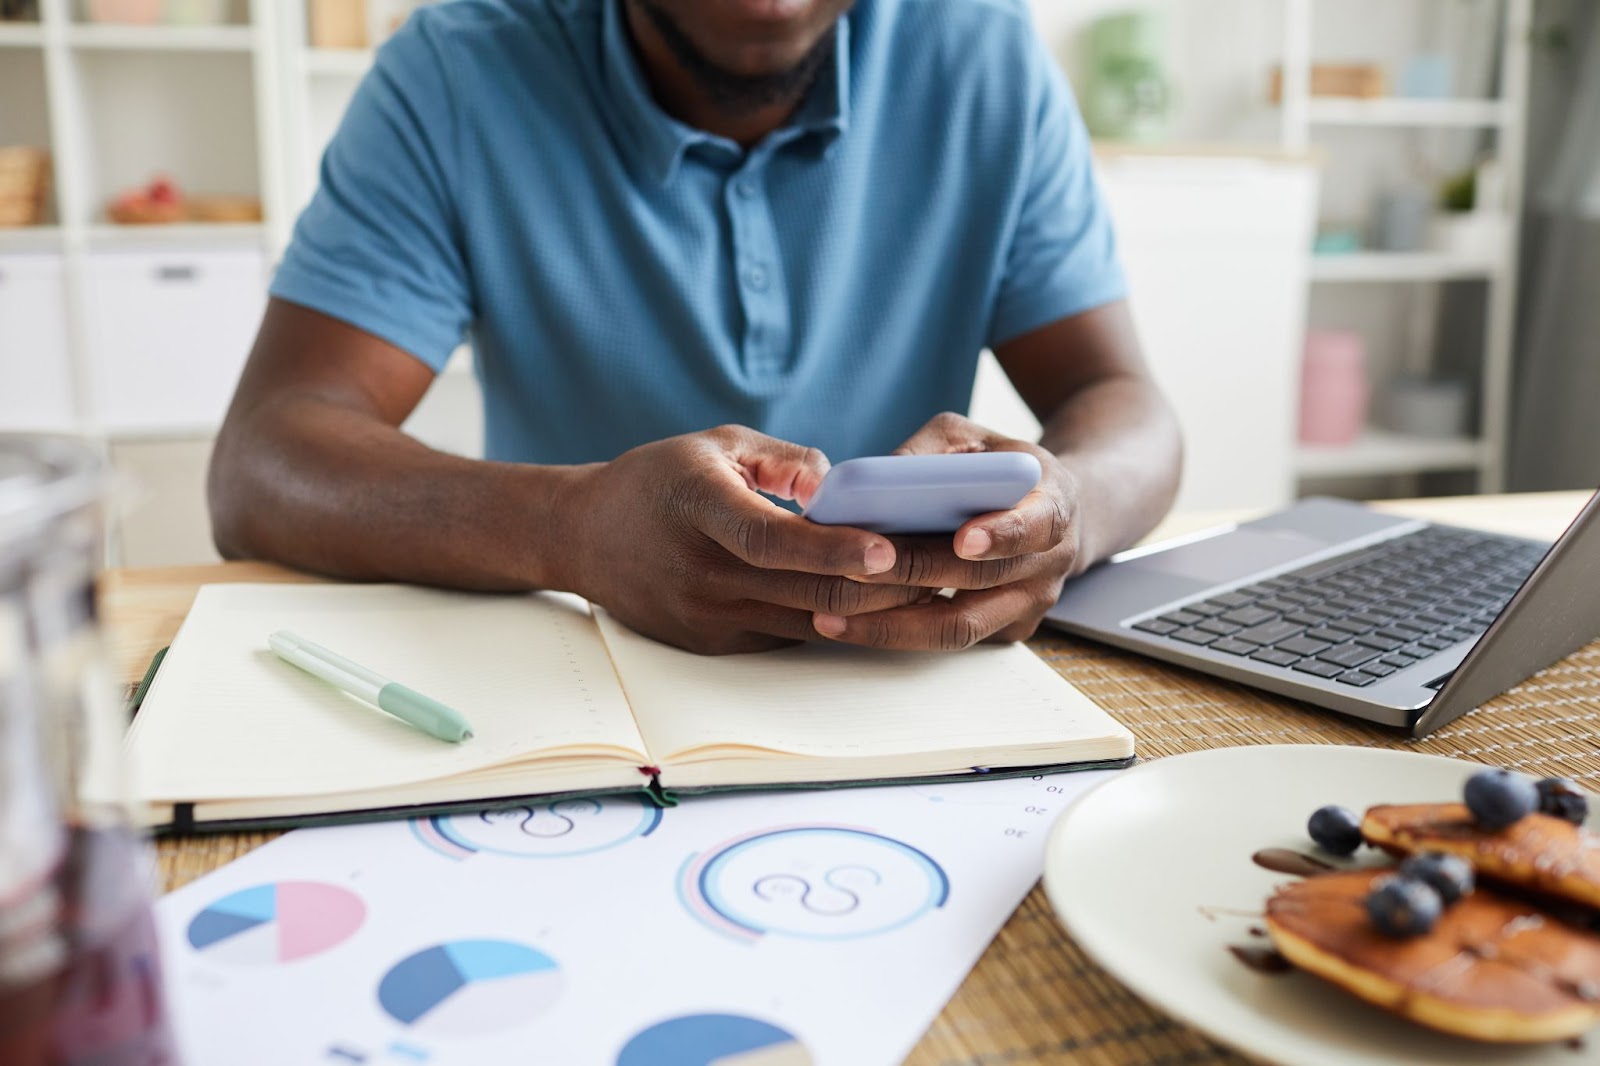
(379, 246)
(1062, 257)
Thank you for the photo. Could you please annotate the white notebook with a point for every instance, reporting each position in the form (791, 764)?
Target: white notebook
(562, 698)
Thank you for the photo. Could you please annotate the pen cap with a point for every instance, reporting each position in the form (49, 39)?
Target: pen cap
(428, 714)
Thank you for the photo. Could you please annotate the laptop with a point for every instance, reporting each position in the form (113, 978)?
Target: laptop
(1404, 622)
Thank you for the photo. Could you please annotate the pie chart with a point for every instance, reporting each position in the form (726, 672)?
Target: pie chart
(278, 922)
(468, 987)
(714, 1040)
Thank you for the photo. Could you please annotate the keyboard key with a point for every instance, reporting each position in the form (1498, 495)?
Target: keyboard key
(1156, 626)
(1182, 618)
(1356, 678)
(1219, 627)
(1377, 668)
(1230, 600)
(1436, 618)
(1347, 627)
(1418, 650)
(1372, 640)
(1278, 604)
(1303, 618)
(1319, 668)
(1194, 635)
(1437, 643)
(1303, 645)
(1232, 647)
(1399, 660)
(1351, 655)
(1249, 616)
(1204, 607)
(1332, 636)
(1459, 633)
(1369, 619)
(1276, 656)
(1398, 632)
(1269, 632)
(1348, 602)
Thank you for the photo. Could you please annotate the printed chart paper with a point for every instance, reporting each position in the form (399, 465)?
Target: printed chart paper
(769, 929)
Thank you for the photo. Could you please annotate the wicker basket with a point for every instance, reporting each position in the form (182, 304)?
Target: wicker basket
(24, 185)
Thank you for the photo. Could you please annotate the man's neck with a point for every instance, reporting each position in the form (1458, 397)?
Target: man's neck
(680, 96)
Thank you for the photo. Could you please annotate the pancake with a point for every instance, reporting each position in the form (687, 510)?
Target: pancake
(1540, 853)
(1492, 969)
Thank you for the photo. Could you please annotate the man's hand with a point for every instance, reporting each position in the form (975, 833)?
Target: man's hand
(673, 538)
(1006, 567)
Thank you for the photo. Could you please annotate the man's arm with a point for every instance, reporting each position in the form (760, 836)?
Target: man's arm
(1111, 456)
(1086, 380)
(312, 470)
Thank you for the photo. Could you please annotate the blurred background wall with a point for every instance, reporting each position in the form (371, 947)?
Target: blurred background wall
(1361, 233)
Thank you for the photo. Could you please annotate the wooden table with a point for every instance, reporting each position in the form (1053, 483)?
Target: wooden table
(1034, 996)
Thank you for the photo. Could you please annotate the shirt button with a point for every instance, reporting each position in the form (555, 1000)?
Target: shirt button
(745, 188)
(756, 277)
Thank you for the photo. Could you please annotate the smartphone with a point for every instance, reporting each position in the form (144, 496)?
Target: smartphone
(921, 493)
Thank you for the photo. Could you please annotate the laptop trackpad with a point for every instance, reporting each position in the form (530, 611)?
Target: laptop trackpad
(1231, 556)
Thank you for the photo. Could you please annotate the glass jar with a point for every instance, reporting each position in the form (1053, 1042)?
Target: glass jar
(80, 978)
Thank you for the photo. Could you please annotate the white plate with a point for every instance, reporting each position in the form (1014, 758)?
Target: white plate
(1133, 866)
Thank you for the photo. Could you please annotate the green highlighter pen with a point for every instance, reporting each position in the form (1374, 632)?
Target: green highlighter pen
(408, 705)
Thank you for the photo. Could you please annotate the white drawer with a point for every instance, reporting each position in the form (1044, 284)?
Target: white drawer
(35, 365)
(168, 333)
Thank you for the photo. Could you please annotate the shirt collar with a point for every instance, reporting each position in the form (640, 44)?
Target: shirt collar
(660, 140)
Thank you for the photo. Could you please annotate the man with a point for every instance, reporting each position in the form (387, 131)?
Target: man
(701, 247)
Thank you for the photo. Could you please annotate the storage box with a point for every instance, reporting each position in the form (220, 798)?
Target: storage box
(337, 23)
(24, 185)
(168, 333)
(35, 364)
(1360, 80)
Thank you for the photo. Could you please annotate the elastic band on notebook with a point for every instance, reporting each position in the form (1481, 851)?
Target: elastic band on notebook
(183, 818)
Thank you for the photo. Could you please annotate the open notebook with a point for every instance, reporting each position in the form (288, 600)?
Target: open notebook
(562, 699)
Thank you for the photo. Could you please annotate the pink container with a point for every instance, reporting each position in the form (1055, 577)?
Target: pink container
(140, 12)
(1333, 387)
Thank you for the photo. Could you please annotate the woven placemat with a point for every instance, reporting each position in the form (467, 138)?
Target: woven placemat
(1036, 998)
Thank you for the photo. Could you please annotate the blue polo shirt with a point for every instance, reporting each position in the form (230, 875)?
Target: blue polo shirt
(504, 176)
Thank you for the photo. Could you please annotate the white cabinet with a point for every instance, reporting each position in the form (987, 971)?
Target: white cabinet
(168, 332)
(35, 362)
(1215, 253)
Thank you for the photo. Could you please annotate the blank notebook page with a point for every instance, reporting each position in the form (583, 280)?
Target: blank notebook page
(227, 719)
(836, 701)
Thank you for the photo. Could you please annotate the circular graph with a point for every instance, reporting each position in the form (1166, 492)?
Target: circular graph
(541, 830)
(278, 922)
(714, 1040)
(815, 882)
(470, 986)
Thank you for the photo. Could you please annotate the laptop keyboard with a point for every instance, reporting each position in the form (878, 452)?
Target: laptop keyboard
(1359, 617)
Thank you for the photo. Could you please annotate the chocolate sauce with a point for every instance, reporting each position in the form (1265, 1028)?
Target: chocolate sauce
(1261, 959)
(1297, 864)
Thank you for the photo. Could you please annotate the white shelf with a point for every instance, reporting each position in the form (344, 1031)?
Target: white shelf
(1379, 451)
(30, 238)
(176, 235)
(162, 38)
(21, 35)
(1399, 266)
(339, 62)
(1401, 111)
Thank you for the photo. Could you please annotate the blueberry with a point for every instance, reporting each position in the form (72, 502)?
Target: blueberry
(1448, 875)
(1335, 830)
(1561, 797)
(1498, 798)
(1403, 907)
